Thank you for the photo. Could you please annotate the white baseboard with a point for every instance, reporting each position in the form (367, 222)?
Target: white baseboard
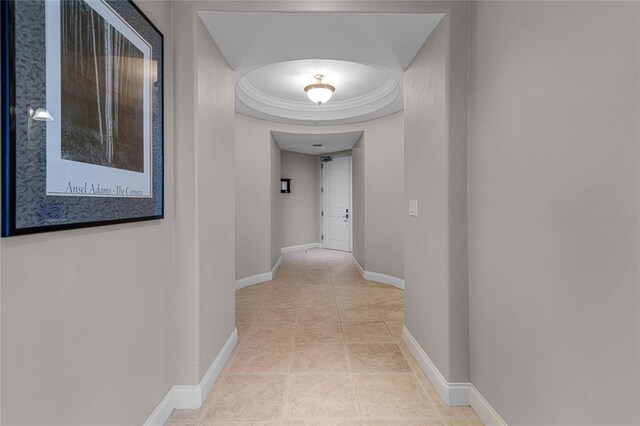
(301, 247)
(253, 279)
(191, 397)
(275, 268)
(259, 278)
(384, 279)
(355, 263)
(379, 278)
(185, 397)
(484, 410)
(216, 367)
(453, 394)
(162, 411)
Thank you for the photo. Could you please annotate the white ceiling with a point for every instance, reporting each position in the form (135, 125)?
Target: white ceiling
(303, 143)
(265, 49)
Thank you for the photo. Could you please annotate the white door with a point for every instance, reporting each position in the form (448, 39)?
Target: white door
(336, 204)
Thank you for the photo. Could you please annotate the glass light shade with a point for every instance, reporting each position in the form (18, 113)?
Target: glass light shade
(319, 92)
(41, 114)
(319, 95)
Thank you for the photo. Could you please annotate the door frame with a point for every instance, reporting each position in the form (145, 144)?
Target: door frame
(350, 198)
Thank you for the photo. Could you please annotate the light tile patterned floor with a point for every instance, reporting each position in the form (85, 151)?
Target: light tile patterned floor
(319, 345)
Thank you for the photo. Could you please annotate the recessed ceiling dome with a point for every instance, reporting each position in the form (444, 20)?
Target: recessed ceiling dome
(276, 92)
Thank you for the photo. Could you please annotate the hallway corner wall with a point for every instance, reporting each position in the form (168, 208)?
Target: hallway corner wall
(436, 262)
(86, 315)
(300, 215)
(275, 201)
(204, 232)
(253, 198)
(215, 153)
(358, 183)
(554, 151)
(384, 206)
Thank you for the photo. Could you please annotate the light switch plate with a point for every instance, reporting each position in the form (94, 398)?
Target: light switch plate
(413, 207)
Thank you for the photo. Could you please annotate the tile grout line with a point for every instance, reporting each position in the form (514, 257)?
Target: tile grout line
(413, 372)
(348, 355)
(337, 273)
(422, 386)
(291, 355)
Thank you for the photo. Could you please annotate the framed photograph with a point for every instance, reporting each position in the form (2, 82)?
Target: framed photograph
(82, 115)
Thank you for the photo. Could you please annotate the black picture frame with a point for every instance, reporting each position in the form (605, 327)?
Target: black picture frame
(27, 207)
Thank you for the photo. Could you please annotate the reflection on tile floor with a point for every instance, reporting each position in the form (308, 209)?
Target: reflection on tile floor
(319, 345)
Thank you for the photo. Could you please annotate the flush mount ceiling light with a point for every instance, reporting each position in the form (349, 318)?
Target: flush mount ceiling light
(319, 92)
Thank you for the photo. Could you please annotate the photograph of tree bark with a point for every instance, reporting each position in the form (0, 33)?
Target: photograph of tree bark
(102, 82)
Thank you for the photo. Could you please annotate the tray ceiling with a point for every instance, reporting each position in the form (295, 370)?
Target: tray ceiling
(274, 55)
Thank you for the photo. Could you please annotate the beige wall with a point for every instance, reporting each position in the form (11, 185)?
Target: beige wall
(357, 162)
(554, 107)
(436, 284)
(383, 191)
(185, 325)
(85, 343)
(258, 204)
(300, 209)
(204, 233)
(215, 198)
(384, 206)
(253, 198)
(276, 204)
